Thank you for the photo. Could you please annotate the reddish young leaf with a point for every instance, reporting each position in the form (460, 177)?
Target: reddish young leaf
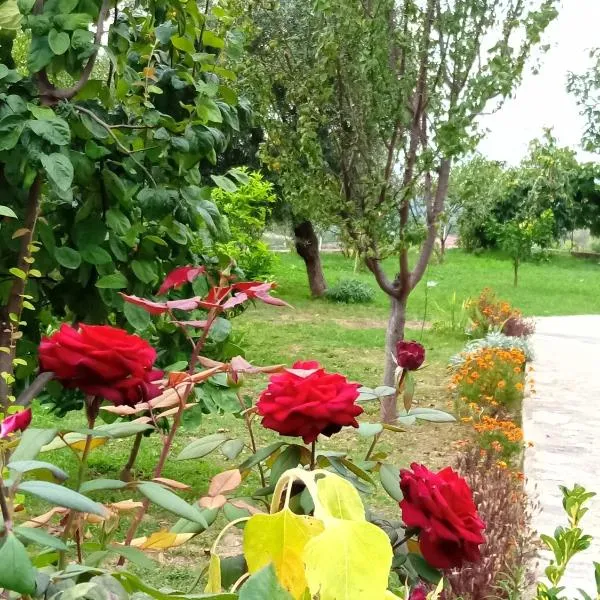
(18, 422)
(154, 308)
(225, 482)
(180, 276)
(213, 501)
(245, 506)
(259, 291)
(176, 485)
(234, 301)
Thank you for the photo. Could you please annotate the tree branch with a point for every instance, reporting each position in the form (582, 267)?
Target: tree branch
(51, 93)
(374, 265)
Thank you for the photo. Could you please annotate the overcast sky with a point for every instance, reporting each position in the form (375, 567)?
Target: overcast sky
(542, 100)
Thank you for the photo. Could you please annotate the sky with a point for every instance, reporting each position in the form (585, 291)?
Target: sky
(542, 100)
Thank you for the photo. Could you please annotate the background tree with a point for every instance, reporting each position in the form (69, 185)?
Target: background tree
(387, 97)
(519, 238)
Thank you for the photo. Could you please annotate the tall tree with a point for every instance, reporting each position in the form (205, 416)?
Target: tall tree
(386, 95)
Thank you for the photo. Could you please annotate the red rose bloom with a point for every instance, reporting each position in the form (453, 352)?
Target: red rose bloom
(418, 593)
(102, 361)
(440, 505)
(306, 400)
(410, 355)
(18, 422)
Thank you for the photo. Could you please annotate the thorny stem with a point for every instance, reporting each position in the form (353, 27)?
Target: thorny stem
(6, 516)
(313, 456)
(248, 421)
(408, 533)
(372, 446)
(92, 404)
(126, 472)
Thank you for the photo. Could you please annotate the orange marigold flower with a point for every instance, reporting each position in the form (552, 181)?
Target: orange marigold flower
(502, 464)
(467, 419)
(519, 387)
(501, 384)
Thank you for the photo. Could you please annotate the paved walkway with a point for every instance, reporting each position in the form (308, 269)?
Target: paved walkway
(563, 421)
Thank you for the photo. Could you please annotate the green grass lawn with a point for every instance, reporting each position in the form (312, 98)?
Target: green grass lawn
(348, 339)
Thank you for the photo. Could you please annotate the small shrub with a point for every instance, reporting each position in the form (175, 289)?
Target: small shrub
(351, 291)
(494, 339)
(490, 376)
(489, 313)
(511, 545)
(519, 327)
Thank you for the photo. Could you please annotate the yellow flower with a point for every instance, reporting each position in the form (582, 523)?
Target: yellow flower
(501, 384)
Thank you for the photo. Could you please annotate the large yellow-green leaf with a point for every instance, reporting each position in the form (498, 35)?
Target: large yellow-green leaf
(338, 498)
(10, 17)
(350, 560)
(280, 539)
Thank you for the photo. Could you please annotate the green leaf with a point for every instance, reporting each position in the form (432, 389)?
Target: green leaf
(95, 255)
(96, 485)
(95, 151)
(89, 232)
(115, 281)
(164, 32)
(61, 496)
(59, 169)
(183, 44)
(433, 415)
(97, 130)
(116, 431)
(67, 6)
(288, 459)
(117, 221)
(135, 556)
(136, 316)
(43, 113)
(25, 6)
(169, 501)
(210, 39)
(11, 128)
(339, 499)
(17, 573)
(232, 448)
(7, 212)
(424, 569)
(67, 257)
(390, 480)
(32, 441)
(56, 131)
(24, 466)
(58, 41)
(262, 585)
(40, 54)
(40, 537)
(369, 429)
(202, 447)
(260, 455)
(224, 183)
(144, 270)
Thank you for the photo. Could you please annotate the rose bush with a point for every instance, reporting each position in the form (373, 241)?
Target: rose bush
(440, 506)
(410, 355)
(102, 361)
(306, 401)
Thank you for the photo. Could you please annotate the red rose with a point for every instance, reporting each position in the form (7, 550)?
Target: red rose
(18, 422)
(102, 361)
(418, 593)
(305, 401)
(410, 355)
(440, 505)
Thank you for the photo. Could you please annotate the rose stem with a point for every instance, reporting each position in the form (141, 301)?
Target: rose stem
(6, 516)
(408, 534)
(126, 472)
(92, 407)
(313, 455)
(251, 433)
(372, 446)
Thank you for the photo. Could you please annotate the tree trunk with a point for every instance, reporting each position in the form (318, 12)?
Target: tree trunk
(307, 246)
(516, 273)
(442, 248)
(395, 333)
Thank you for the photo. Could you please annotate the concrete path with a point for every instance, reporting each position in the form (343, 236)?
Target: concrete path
(562, 420)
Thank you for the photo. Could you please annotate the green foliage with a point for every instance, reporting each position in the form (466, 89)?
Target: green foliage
(247, 209)
(350, 291)
(116, 151)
